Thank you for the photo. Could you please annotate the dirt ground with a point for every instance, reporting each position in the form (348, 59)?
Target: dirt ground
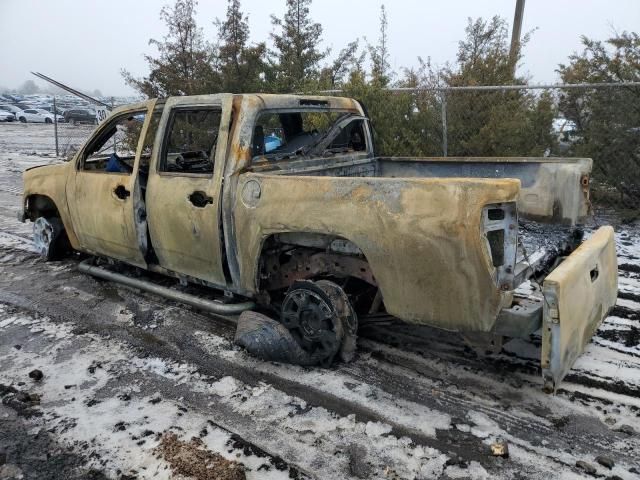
(135, 387)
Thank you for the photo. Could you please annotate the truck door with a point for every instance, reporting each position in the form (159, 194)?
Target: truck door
(104, 194)
(183, 191)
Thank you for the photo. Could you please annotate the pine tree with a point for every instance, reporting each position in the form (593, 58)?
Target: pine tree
(494, 123)
(335, 74)
(297, 57)
(184, 65)
(241, 65)
(607, 119)
(380, 71)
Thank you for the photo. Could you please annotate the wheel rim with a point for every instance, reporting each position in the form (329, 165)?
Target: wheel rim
(312, 322)
(42, 235)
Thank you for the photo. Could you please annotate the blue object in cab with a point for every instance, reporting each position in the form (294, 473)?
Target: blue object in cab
(114, 166)
(271, 142)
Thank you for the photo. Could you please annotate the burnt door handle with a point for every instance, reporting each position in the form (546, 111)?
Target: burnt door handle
(121, 192)
(200, 199)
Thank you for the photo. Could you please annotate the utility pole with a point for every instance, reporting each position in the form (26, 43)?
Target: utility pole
(515, 34)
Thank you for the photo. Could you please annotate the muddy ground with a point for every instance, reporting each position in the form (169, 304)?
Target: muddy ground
(134, 386)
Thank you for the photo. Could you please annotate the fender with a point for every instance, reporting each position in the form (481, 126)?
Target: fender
(49, 181)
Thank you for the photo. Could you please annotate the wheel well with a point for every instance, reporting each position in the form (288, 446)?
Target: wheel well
(289, 257)
(40, 206)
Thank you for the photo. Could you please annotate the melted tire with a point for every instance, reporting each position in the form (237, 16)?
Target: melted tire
(50, 238)
(268, 339)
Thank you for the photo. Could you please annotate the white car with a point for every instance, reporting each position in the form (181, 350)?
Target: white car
(6, 116)
(10, 108)
(37, 115)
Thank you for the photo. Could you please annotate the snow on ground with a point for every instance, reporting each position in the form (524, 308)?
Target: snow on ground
(84, 403)
(122, 428)
(396, 410)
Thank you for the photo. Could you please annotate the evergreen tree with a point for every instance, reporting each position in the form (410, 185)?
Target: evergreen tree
(380, 70)
(607, 119)
(494, 123)
(241, 66)
(335, 74)
(297, 57)
(184, 65)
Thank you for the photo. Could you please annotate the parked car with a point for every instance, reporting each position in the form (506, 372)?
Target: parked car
(25, 105)
(37, 116)
(59, 118)
(80, 115)
(6, 116)
(12, 98)
(320, 230)
(10, 108)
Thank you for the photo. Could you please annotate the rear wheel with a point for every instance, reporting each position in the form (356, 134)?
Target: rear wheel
(347, 315)
(23, 120)
(50, 238)
(314, 313)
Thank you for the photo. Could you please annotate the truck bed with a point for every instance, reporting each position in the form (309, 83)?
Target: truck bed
(554, 190)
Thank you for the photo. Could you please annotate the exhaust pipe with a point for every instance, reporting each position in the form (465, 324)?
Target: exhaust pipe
(197, 302)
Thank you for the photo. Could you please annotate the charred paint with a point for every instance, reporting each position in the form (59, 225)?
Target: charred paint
(418, 247)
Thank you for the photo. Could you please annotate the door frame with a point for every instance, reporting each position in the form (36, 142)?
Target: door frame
(214, 271)
(133, 212)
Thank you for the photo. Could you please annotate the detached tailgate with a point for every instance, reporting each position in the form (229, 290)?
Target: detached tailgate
(578, 295)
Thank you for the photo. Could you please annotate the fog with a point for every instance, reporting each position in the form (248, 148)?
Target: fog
(86, 43)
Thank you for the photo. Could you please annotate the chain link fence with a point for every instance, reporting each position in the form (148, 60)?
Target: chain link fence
(600, 121)
(69, 138)
(76, 120)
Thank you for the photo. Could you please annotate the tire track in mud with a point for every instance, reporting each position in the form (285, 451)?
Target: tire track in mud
(448, 346)
(523, 420)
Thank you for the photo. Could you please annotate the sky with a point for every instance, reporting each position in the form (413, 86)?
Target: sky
(86, 43)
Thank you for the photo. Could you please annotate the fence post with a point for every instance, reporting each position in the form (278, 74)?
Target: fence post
(115, 149)
(443, 104)
(55, 123)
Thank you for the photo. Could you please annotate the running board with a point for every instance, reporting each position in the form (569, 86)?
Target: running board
(197, 302)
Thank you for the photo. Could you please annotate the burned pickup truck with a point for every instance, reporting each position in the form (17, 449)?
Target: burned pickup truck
(281, 201)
